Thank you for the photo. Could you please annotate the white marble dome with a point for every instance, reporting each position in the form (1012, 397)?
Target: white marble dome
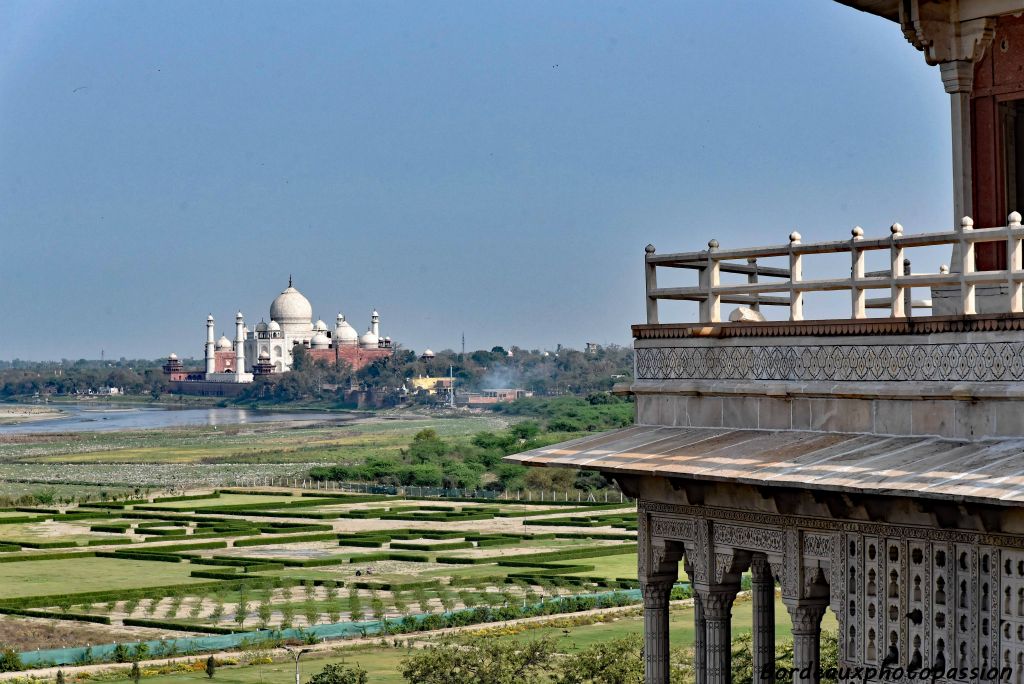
(320, 341)
(261, 326)
(273, 326)
(292, 310)
(320, 326)
(369, 340)
(223, 344)
(344, 333)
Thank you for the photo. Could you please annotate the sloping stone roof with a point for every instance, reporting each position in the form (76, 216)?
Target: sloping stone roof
(986, 471)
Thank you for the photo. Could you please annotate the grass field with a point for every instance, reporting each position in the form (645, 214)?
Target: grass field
(384, 663)
(38, 578)
(254, 443)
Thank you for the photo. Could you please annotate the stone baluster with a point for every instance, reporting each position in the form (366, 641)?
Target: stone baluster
(806, 615)
(656, 591)
(763, 590)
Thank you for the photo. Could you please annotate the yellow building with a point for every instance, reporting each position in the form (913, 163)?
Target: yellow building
(431, 385)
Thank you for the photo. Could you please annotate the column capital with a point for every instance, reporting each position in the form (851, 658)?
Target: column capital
(717, 601)
(656, 590)
(761, 570)
(957, 76)
(806, 615)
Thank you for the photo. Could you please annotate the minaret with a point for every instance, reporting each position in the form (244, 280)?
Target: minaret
(239, 346)
(375, 323)
(211, 363)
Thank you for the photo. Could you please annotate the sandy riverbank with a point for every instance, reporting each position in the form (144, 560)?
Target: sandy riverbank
(13, 414)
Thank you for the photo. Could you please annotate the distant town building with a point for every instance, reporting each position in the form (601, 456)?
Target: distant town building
(593, 347)
(268, 349)
(431, 385)
(489, 397)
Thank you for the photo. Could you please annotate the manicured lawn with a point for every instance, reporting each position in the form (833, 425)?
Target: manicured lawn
(37, 578)
(612, 567)
(223, 500)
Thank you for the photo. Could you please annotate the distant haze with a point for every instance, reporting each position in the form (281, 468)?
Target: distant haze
(488, 167)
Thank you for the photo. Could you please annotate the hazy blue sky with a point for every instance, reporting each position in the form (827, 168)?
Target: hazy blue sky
(488, 167)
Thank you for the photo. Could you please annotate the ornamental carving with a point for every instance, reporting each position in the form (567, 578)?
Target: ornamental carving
(932, 534)
(750, 538)
(818, 545)
(964, 361)
(672, 528)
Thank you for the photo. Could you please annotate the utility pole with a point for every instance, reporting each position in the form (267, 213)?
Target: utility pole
(296, 653)
(451, 383)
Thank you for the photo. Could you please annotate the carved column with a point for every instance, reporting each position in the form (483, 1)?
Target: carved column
(717, 603)
(806, 615)
(656, 591)
(958, 79)
(763, 590)
(700, 653)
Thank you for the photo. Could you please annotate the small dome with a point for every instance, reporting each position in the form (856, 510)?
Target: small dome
(261, 326)
(273, 326)
(264, 355)
(210, 318)
(223, 343)
(344, 333)
(320, 341)
(320, 325)
(172, 357)
(428, 354)
(369, 340)
(387, 338)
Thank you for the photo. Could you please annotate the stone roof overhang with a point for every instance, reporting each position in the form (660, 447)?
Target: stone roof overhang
(985, 471)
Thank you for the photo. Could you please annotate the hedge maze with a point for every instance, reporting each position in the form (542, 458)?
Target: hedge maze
(237, 561)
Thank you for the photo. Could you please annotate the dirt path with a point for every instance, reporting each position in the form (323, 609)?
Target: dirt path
(322, 647)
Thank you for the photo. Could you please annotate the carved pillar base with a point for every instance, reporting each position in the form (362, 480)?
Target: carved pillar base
(763, 586)
(656, 591)
(806, 615)
(717, 603)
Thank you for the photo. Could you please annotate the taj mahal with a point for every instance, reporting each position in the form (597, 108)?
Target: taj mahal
(270, 347)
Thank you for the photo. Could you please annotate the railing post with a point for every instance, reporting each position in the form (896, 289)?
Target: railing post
(752, 280)
(858, 295)
(711, 307)
(1013, 265)
(896, 270)
(908, 292)
(796, 298)
(966, 267)
(651, 276)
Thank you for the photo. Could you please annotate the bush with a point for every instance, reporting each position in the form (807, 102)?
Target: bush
(10, 661)
(339, 673)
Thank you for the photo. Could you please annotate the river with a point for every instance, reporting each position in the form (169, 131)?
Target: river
(102, 417)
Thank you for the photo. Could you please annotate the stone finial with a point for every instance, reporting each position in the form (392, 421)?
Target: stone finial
(967, 223)
(649, 249)
(1014, 219)
(857, 233)
(794, 238)
(712, 243)
(896, 229)
(944, 269)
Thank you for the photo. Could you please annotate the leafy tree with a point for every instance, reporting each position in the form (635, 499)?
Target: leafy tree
(340, 673)
(311, 613)
(610, 662)
(487, 661)
(211, 667)
(136, 673)
(60, 677)
(121, 654)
